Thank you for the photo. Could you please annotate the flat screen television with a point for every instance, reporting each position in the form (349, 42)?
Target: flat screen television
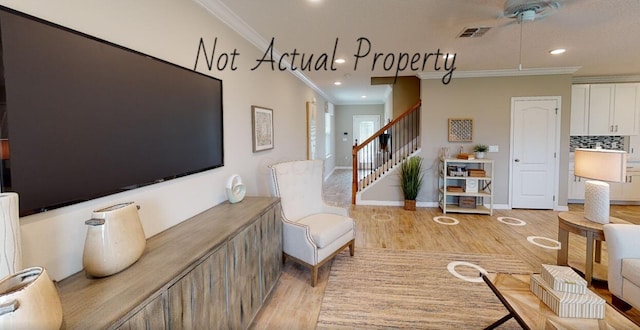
(84, 118)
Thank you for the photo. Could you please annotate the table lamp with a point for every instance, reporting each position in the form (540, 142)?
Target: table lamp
(599, 165)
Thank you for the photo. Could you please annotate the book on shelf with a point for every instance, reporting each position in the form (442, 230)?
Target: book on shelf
(477, 172)
(466, 156)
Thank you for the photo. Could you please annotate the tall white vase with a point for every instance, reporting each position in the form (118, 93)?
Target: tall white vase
(11, 254)
(29, 300)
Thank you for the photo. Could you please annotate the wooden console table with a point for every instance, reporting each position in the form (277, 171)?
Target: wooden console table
(214, 270)
(575, 222)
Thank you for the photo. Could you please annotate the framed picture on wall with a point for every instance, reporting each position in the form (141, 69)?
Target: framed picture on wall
(460, 130)
(262, 128)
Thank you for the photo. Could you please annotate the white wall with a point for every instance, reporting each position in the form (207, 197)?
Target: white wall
(388, 108)
(171, 30)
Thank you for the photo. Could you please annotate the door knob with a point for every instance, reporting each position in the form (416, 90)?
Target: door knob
(517, 160)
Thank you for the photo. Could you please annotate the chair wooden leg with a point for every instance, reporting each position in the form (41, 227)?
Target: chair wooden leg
(352, 247)
(314, 275)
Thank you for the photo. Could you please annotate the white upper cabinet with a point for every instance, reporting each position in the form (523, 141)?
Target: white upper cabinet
(580, 109)
(626, 105)
(613, 109)
(634, 149)
(601, 99)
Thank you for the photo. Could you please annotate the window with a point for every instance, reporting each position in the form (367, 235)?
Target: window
(328, 130)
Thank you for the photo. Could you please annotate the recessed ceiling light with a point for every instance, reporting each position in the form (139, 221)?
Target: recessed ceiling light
(337, 83)
(340, 60)
(557, 51)
(364, 96)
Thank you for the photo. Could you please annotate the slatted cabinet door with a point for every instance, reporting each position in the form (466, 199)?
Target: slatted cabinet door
(151, 316)
(244, 277)
(271, 250)
(198, 300)
(218, 280)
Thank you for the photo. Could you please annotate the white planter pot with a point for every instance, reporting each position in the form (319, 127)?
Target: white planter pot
(479, 155)
(115, 240)
(29, 300)
(11, 256)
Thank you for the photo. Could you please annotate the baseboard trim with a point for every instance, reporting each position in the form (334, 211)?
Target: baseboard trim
(418, 204)
(560, 208)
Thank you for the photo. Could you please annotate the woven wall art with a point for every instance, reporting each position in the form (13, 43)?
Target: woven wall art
(460, 129)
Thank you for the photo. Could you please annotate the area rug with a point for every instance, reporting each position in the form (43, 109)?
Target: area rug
(386, 289)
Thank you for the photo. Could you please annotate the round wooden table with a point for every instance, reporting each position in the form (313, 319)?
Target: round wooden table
(575, 222)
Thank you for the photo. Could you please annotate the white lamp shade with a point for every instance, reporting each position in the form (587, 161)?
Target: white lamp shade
(600, 164)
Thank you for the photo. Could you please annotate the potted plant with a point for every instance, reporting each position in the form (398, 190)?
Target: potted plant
(480, 149)
(411, 181)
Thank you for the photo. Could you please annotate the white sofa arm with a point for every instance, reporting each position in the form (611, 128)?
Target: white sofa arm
(622, 243)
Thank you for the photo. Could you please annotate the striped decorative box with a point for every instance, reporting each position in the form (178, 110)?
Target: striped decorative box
(566, 304)
(563, 278)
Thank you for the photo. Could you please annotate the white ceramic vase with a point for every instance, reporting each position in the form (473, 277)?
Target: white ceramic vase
(11, 249)
(115, 240)
(29, 300)
(235, 189)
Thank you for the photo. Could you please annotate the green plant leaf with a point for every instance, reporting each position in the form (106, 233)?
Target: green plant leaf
(480, 148)
(411, 177)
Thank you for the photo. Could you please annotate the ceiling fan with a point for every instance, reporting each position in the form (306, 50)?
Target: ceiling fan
(529, 10)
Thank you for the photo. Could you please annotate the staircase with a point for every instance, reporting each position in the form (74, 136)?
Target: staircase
(385, 149)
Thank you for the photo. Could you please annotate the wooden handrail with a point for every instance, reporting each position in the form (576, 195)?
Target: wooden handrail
(406, 129)
(375, 135)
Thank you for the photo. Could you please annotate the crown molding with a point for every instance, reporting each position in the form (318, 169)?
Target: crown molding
(605, 79)
(237, 24)
(502, 73)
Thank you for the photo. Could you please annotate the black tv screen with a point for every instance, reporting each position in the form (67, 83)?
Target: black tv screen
(84, 118)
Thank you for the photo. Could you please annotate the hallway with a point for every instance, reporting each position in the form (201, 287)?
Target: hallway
(337, 188)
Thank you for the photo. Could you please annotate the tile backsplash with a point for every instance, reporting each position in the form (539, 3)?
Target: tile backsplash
(605, 142)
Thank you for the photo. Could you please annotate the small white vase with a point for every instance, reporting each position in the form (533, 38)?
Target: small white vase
(10, 246)
(29, 300)
(235, 189)
(479, 154)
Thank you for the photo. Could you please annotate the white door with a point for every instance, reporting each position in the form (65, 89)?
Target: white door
(535, 129)
(363, 127)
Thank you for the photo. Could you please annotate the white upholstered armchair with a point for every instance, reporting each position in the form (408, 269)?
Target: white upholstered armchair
(313, 232)
(624, 263)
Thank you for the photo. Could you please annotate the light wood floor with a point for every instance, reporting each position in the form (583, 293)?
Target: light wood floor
(294, 304)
